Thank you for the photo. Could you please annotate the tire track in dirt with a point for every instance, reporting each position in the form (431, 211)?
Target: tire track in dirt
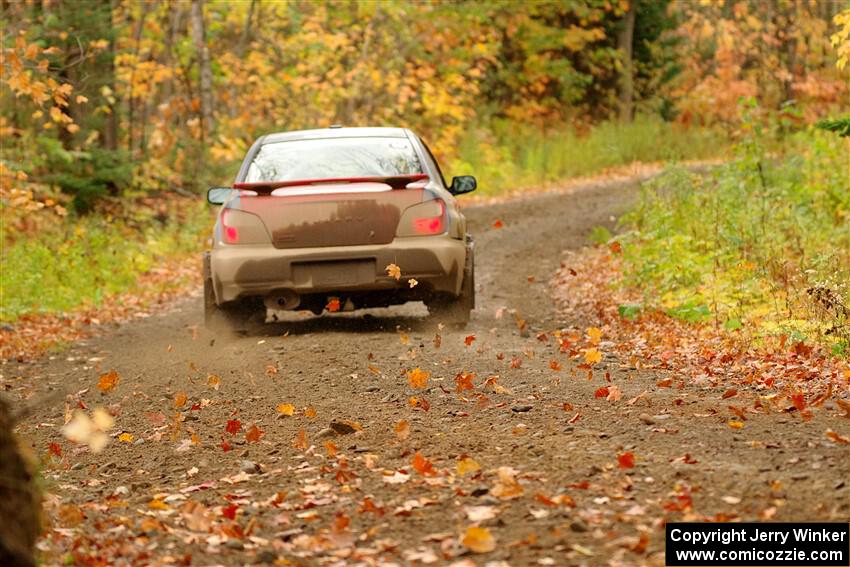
(352, 368)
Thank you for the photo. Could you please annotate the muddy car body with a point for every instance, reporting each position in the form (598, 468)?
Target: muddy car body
(315, 217)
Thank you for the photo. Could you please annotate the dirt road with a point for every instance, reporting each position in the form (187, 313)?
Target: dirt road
(173, 494)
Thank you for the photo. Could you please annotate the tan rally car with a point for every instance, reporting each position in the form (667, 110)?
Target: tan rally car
(338, 219)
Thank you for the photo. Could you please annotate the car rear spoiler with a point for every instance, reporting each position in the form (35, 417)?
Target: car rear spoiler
(396, 182)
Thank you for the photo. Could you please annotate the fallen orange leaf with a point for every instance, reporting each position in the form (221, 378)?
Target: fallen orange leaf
(254, 433)
(836, 437)
(300, 441)
(626, 460)
(402, 429)
(107, 382)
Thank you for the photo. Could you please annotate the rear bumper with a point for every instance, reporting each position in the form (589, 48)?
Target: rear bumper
(436, 262)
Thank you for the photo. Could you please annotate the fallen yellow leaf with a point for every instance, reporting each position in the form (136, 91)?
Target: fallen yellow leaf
(286, 409)
(467, 465)
(479, 540)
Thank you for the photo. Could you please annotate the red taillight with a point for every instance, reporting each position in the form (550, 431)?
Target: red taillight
(431, 225)
(231, 233)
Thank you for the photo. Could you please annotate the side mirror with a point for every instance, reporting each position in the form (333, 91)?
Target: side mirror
(463, 184)
(218, 195)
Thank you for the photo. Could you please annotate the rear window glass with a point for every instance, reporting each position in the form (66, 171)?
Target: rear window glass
(333, 158)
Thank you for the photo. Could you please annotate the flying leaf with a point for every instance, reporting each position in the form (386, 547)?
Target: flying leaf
(422, 465)
(107, 382)
(464, 381)
(412, 282)
(498, 224)
(418, 378)
(393, 271)
(479, 540)
(89, 431)
(333, 304)
(592, 356)
(594, 334)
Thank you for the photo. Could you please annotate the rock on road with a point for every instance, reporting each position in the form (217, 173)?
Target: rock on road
(173, 494)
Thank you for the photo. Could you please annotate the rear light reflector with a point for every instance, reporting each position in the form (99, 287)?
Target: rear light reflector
(231, 234)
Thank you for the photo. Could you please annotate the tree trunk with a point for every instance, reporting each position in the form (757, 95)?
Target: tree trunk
(624, 44)
(198, 38)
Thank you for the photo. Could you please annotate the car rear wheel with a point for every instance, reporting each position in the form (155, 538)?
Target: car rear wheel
(457, 311)
(232, 317)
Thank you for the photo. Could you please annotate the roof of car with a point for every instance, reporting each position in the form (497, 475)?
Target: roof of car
(334, 132)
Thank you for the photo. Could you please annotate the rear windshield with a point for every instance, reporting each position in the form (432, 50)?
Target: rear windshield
(333, 158)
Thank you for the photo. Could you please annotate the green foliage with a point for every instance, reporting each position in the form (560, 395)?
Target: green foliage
(507, 155)
(85, 175)
(840, 126)
(600, 235)
(758, 241)
(88, 258)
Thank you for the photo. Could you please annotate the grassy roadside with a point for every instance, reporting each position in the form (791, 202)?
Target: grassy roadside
(77, 263)
(507, 156)
(759, 244)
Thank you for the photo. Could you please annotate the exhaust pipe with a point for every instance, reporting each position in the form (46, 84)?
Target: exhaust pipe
(283, 300)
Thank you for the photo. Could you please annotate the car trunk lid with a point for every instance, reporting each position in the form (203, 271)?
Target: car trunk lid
(324, 213)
